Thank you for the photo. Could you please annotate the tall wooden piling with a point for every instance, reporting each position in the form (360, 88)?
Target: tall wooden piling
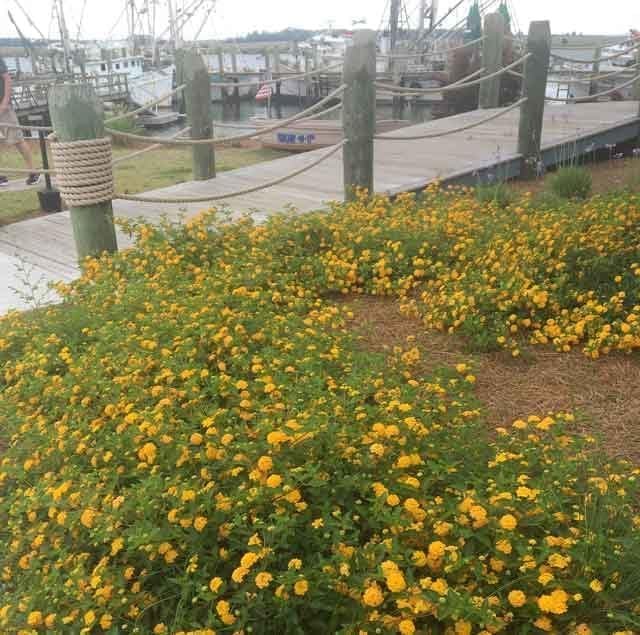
(594, 86)
(180, 101)
(359, 112)
(77, 114)
(492, 59)
(199, 114)
(534, 89)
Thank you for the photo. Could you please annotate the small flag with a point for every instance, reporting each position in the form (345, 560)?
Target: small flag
(264, 93)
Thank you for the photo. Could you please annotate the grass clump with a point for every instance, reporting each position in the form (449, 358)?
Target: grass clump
(500, 195)
(572, 183)
(194, 442)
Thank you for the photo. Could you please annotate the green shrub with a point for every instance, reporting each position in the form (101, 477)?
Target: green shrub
(194, 441)
(572, 182)
(500, 195)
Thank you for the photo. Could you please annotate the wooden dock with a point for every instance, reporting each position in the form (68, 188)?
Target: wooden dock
(480, 154)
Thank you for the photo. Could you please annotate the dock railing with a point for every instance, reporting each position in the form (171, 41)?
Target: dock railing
(81, 143)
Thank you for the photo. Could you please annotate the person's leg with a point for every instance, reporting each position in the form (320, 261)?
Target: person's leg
(25, 151)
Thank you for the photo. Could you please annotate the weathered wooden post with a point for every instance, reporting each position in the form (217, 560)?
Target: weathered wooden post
(492, 58)
(76, 115)
(276, 61)
(534, 89)
(220, 56)
(199, 114)
(234, 62)
(594, 86)
(308, 81)
(180, 101)
(359, 112)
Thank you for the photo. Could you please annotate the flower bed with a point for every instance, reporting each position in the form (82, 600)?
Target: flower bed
(193, 443)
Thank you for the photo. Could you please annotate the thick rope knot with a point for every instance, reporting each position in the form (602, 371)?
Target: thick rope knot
(84, 171)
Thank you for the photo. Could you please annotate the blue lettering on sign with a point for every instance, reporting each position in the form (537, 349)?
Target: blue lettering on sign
(294, 139)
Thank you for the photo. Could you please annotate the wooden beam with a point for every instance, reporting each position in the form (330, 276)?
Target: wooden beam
(535, 86)
(199, 114)
(359, 112)
(77, 114)
(492, 59)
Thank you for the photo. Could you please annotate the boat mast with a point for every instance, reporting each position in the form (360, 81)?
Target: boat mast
(175, 32)
(394, 21)
(64, 34)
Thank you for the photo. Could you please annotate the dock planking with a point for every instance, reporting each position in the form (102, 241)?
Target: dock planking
(485, 152)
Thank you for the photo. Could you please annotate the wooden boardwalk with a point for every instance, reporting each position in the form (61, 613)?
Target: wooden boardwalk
(481, 153)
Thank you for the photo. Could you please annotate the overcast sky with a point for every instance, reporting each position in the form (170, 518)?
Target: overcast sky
(235, 17)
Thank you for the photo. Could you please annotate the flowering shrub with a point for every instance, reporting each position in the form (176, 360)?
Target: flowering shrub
(193, 443)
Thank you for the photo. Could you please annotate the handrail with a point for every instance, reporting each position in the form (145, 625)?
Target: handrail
(270, 82)
(223, 140)
(596, 60)
(150, 104)
(402, 56)
(249, 190)
(575, 100)
(445, 133)
(450, 87)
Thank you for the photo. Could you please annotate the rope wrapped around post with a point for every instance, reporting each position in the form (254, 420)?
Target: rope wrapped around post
(456, 86)
(84, 171)
(445, 133)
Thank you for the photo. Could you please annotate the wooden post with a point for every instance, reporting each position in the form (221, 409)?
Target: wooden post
(199, 114)
(492, 57)
(276, 61)
(221, 63)
(534, 89)
(308, 82)
(594, 86)
(359, 112)
(77, 114)
(267, 65)
(636, 87)
(180, 101)
(234, 62)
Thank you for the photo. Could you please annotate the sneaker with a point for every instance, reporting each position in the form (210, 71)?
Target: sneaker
(4, 181)
(33, 179)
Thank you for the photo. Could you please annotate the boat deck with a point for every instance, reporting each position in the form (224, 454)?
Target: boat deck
(489, 151)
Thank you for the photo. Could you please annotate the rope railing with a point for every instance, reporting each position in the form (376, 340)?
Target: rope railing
(608, 58)
(597, 78)
(218, 197)
(235, 126)
(577, 100)
(115, 162)
(14, 126)
(150, 104)
(155, 146)
(444, 133)
(416, 92)
(457, 85)
(584, 47)
(271, 82)
(403, 56)
(224, 140)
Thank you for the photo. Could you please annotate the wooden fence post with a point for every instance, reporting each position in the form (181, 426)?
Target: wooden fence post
(180, 101)
(535, 85)
(199, 114)
(359, 112)
(594, 86)
(492, 59)
(77, 114)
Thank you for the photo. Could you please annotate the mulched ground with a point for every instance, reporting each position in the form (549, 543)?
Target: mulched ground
(603, 394)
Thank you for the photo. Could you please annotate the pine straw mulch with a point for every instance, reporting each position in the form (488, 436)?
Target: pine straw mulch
(604, 394)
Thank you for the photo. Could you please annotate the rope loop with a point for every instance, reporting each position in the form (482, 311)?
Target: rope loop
(84, 171)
